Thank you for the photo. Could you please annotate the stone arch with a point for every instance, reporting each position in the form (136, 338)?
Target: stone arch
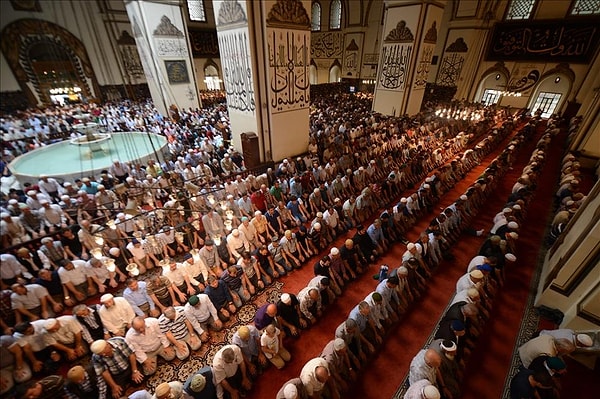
(558, 80)
(211, 65)
(494, 78)
(19, 37)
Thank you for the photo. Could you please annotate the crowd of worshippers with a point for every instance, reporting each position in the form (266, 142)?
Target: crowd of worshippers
(437, 370)
(542, 362)
(569, 196)
(278, 229)
(33, 128)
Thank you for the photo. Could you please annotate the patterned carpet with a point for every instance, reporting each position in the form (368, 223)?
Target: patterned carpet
(178, 370)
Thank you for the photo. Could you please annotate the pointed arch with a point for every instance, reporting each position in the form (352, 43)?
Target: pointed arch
(335, 72)
(493, 81)
(23, 35)
(552, 91)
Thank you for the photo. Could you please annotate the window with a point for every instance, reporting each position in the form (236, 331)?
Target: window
(315, 17)
(335, 15)
(196, 10)
(546, 102)
(490, 97)
(335, 74)
(213, 83)
(520, 9)
(212, 78)
(586, 7)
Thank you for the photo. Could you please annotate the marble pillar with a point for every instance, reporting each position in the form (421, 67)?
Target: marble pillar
(265, 54)
(407, 48)
(162, 41)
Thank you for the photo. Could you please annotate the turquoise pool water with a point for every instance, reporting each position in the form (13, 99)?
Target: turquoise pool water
(68, 161)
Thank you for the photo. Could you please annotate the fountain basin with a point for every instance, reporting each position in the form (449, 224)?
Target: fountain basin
(68, 161)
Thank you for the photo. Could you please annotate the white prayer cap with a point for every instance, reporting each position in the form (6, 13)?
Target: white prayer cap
(286, 298)
(290, 392)
(431, 392)
(339, 344)
(584, 340)
(106, 297)
(98, 346)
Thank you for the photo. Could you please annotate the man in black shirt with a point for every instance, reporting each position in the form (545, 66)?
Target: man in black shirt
(288, 309)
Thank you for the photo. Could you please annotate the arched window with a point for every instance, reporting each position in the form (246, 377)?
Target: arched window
(335, 15)
(315, 17)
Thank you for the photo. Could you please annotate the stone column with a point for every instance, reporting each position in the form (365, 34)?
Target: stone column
(408, 43)
(265, 54)
(162, 41)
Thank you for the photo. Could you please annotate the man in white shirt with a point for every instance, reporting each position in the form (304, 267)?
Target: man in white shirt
(315, 377)
(229, 372)
(50, 187)
(52, 215)
(237, 243)
(148, 342)
(201, 312)
(65, 334)
(180, 278)
(116, 314)
(76, 280)
(32, 302)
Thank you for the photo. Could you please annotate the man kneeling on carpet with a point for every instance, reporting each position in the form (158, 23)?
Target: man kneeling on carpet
(148, 342)
(229, 371)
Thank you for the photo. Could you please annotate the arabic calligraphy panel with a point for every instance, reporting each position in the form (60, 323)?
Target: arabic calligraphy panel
(204, 43)
(352, 55)
(170, 47)
(395, 60)
(327, 45)
(524, 77)
(288, 69)
(450, 69)
(237, 70)
(177, 72)
(550, 41)
(422, 71)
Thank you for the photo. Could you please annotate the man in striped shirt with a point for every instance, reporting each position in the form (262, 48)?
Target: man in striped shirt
(81, 383)
(115, 365)
(179, 331)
